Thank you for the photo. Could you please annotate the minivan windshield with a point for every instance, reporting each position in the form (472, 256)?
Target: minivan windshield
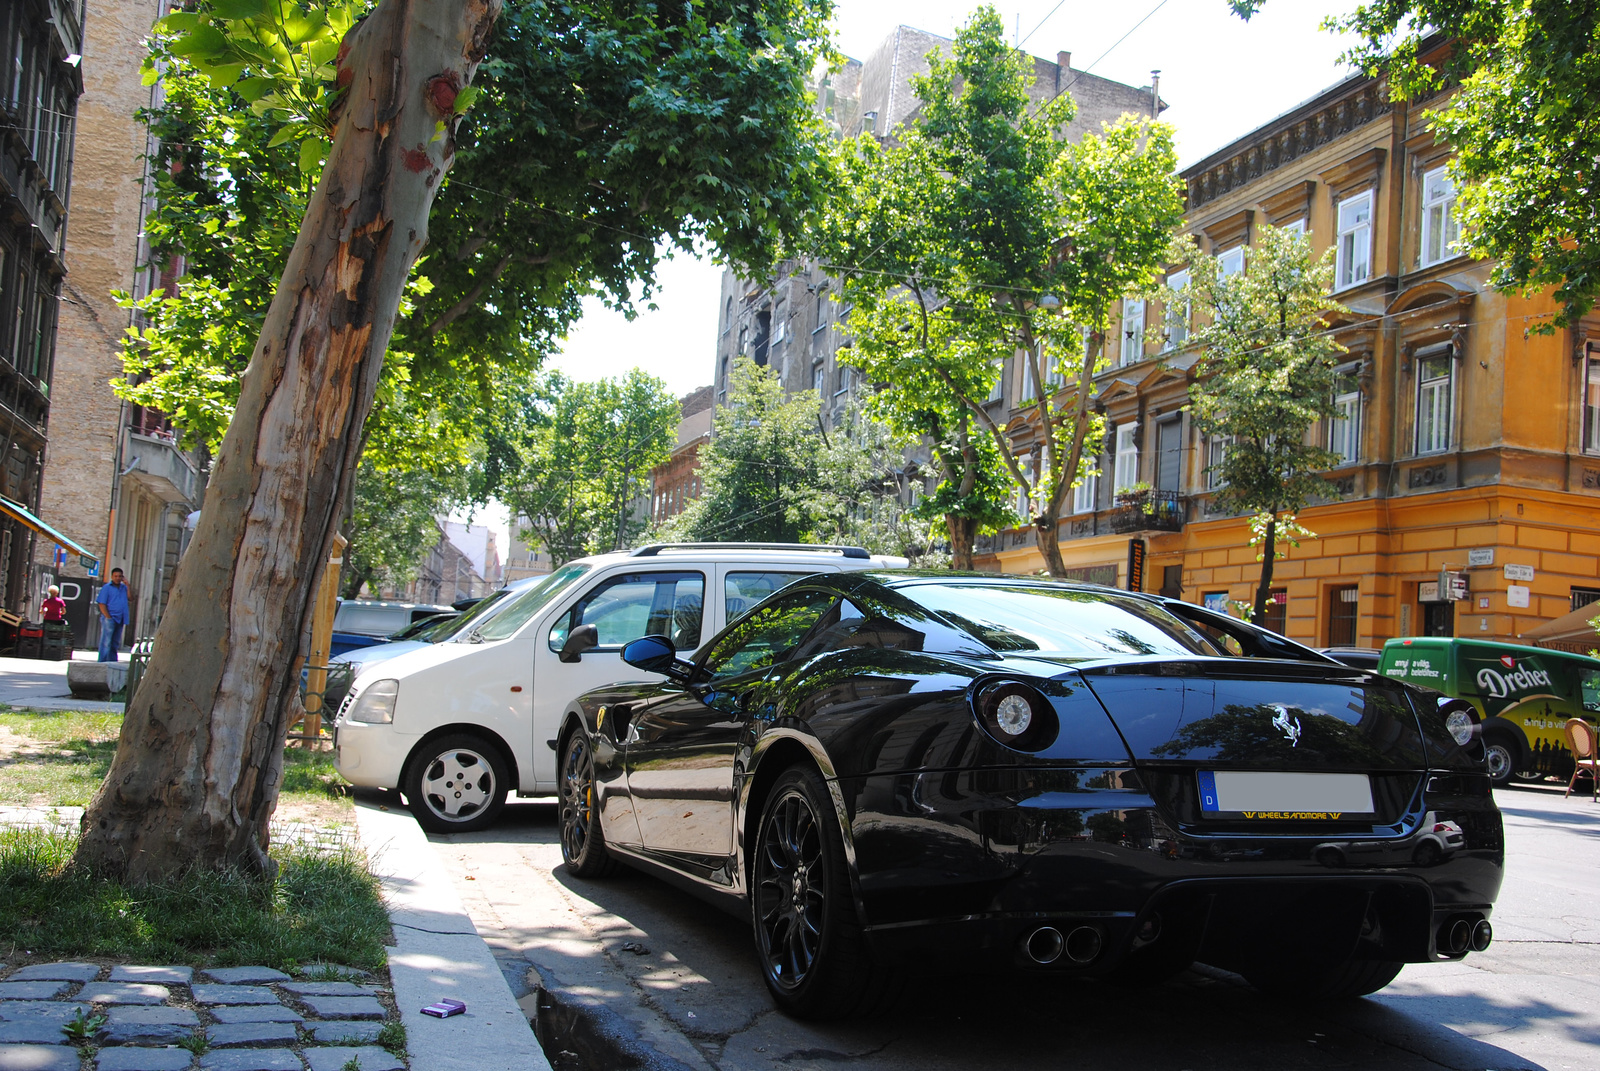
(521, 607)
(1059, 622)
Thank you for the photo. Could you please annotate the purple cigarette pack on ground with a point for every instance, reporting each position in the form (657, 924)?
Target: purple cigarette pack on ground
(445, 1008)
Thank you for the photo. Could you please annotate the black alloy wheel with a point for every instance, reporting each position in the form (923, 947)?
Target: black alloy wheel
(457, 784)
(583, 845)
(813, 953)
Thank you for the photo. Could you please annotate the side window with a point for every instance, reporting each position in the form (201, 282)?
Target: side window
(744, 590)
(768, 636)
(632, 605)
(1589, 689)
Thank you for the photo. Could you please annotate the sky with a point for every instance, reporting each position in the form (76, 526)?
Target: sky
(1220, 77)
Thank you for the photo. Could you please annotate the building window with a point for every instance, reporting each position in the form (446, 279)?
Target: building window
(1343, 602)
(1030, 385)
(1216, 453)
(780, 325)
(819, 378)
(1127, 461)
(1433, 402)
(1582, 597)
(1440, 230)
(999, 390)
(1353, 261)
(1296, 226)
(1277, 615)
(1083, 495)
(1231, 262)
(727, 317)
(1132, 330)
(1591, 405)
(1344, 427)
(1178, 311)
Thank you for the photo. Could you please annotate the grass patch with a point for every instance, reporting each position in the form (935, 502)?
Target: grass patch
(324, 906)
(59, 759)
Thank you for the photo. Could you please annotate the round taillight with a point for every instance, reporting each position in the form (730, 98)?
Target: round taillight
(1016, 715)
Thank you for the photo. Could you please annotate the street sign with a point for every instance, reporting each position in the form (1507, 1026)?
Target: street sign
(1517, 595)
(1519, 572)
(1481, 556)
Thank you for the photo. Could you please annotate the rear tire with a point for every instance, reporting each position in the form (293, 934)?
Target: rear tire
(1342, 981)
(1503, 758)
(583, 843)
(457, 784)
(809, 940)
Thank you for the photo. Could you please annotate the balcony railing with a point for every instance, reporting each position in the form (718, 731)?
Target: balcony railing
(1147, 510)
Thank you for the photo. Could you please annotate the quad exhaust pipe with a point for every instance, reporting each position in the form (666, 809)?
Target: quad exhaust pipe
(1463, 934)
(1047, 944)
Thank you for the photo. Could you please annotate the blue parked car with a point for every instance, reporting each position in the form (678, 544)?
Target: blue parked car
(366, 623)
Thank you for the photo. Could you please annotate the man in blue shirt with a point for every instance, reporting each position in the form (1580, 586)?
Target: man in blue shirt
(113, 604)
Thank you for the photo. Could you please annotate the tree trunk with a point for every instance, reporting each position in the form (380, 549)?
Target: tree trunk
(1264, 589)
(1047, 536)
(963, 534)
(198, 765)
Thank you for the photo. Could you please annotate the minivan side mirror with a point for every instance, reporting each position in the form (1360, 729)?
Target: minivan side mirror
(578, 641)
(655, 654)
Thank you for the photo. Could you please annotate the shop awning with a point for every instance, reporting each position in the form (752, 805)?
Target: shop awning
(1570, 626)
(11, 509)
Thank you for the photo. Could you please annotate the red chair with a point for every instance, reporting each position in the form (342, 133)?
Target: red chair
(1581, 740)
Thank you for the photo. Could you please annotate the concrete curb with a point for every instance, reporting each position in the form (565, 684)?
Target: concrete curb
(438, 953)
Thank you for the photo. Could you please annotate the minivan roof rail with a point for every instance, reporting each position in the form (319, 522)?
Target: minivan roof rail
(654, 549)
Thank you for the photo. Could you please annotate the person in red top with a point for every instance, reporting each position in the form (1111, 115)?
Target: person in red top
(54, 607)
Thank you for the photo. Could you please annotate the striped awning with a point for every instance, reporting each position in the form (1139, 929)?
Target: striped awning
(24, 516)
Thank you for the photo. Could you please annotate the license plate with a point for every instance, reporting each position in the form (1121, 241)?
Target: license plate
(1292, 796)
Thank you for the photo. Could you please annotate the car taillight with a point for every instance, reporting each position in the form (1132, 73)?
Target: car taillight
(1016, 715)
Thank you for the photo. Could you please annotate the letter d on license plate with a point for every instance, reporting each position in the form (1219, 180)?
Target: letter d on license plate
(1296, 796)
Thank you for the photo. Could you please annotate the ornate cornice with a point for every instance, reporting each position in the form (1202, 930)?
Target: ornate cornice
(1345, 107)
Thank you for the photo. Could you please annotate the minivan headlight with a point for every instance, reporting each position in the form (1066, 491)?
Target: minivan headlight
(375, 704)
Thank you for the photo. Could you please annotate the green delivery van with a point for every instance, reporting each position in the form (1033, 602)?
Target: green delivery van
(1524, 695)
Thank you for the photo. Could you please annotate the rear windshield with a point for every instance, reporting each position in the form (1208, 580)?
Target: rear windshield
(1060, 622)
(521, 607)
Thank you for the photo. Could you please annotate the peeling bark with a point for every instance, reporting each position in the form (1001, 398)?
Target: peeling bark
(199, 762)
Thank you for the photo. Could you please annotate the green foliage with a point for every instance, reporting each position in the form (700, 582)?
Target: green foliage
(599, 133)
(278, 56)
(956, 231)
(1268, 372)
(772, 474)
(1267, 377)
(322, 906)
(1522, 121)
(572, 459)
(392, 522)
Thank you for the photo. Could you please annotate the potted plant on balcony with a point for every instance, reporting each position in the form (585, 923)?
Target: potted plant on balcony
(1137, 496)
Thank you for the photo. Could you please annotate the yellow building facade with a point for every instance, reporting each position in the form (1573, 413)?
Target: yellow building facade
(1470, 443)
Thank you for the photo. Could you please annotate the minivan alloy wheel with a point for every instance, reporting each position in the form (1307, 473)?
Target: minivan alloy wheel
(457, 785)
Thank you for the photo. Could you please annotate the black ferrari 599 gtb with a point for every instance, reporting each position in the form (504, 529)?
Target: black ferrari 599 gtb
(886, 772)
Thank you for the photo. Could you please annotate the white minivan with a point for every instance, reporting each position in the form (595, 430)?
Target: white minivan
(457, 724)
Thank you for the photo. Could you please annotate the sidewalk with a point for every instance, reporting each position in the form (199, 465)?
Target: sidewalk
(40, 685)
(438, 953)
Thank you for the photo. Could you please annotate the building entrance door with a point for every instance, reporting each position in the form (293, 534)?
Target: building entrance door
(1438, 619)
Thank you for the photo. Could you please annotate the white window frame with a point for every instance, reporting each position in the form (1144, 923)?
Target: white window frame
(1083, 495)
(1216, 447)
(1434, 436)
(998, 391)
(1177, 333)
(1230, 262)
(1126, 472)
(1440, 229)
(1589, 404)
(1030, 388)
(1297, 226)
(1353, 240)
(1344, 428)
(1132, 331)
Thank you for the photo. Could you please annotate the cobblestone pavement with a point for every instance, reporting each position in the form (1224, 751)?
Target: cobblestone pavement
(90, 1017)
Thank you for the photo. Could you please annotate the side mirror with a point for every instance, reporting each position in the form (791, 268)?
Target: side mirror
(578, 641)
(653, 654)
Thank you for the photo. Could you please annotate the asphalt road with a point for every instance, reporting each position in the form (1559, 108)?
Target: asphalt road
(629, 972)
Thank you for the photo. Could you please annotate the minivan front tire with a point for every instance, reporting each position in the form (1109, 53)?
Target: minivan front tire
(456, 784)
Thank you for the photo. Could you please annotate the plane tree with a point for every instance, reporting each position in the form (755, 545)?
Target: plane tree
(641, 126)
